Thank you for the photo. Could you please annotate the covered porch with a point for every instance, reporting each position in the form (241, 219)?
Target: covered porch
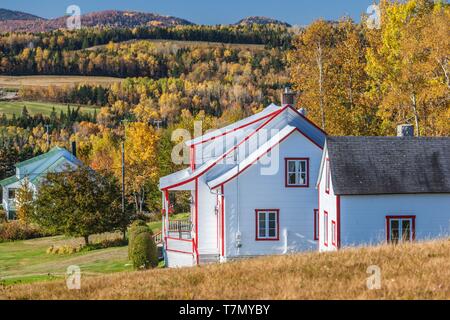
(179, 235)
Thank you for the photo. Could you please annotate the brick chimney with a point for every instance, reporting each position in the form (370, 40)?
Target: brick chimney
(405, 130)
(287, 97)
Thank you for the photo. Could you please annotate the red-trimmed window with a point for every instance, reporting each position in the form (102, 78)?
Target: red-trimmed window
(297, 172)
(316, 224)
(327, 176)
(400, 228)
(325, 228)
(267, 224)
(333, 233)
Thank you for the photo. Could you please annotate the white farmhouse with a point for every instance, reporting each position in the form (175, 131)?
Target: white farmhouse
(31, 171)
(383, 189)
(252, 187)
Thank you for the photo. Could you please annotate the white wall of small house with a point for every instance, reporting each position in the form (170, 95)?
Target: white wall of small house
(363, 218)
(178, 260)
(251, 191)
(327, 204)
(5, 195)
(207, 219)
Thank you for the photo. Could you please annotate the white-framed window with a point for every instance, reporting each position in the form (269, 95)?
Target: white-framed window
(11, 194)
(327, 176)
(333, 233)
(267, 224)
(325, 228)
(297, 172)
(400, 228)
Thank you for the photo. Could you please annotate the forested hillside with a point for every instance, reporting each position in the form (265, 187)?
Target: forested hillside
(23, 22)
(353, 80)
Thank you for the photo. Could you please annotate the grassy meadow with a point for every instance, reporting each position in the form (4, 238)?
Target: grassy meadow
(28, 261)
(16, 82)
(409, 271)
(45, 108)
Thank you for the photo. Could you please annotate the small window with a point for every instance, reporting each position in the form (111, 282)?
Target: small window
(333, 233)
(11, 194)
(400, 228)
(267, 224)
(325, 228)
(316, 224)
(327, 176)
(297, 172)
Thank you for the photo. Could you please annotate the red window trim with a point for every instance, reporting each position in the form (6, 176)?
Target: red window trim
(257, 238)
(327, 176)
(413, 226)
(286, 160)
(325, 226)
(316, 224)
(333, 233)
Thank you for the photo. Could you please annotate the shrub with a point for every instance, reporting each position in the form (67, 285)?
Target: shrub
(2, 215)
(144, 252)
(71, 249)
(65, 249)
(135, 228)
(15, 230)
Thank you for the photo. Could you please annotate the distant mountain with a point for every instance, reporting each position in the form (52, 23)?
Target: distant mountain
(109, 18)
(6, 14)
(261, 20)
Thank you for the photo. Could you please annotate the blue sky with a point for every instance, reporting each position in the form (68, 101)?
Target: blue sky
(299, 12)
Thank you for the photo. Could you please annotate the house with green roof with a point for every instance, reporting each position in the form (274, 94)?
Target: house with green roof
(32, 171)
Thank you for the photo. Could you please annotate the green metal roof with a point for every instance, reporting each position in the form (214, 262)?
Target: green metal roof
(50, 168)
(41, 157)
(8, 181)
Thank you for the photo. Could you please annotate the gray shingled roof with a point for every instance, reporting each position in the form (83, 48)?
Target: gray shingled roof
(389, 165)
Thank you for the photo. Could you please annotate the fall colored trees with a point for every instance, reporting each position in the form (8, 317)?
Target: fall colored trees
(360, 81)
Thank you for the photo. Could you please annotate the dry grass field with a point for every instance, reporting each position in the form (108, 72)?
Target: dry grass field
(414, 271)
(16, 82)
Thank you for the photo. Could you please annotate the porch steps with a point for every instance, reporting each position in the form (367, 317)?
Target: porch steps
(208, 259)
(160, 249)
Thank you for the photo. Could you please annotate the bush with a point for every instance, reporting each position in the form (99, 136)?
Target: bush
(142, 250)
(15, 230)
(71, 249)
(65, 249)
(135, 228)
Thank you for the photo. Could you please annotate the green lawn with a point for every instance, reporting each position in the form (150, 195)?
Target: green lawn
(27, 261)
(15, 107)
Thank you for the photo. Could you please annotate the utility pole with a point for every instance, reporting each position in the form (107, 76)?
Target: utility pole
(123, 172)
(123, 164)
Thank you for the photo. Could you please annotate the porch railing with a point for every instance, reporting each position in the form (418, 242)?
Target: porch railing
(158, 238)
(180, 229)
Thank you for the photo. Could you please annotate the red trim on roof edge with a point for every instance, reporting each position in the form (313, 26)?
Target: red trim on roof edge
(226, 153)
(257, 159)
(274, 115)
(236, 129)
